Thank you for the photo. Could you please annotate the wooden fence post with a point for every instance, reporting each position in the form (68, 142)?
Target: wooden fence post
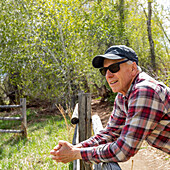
(84, 112)
(24, 116)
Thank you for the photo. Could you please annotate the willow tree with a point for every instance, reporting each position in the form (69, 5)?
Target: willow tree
(47, 46)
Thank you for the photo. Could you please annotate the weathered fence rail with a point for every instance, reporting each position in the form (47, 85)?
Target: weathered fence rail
(23, 118)
(84, 123)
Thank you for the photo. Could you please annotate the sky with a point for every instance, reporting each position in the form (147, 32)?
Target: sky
(166, 4)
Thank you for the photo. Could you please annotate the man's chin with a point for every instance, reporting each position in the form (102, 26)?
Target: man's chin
(114, 91)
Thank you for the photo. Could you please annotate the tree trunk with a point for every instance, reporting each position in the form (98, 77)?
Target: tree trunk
(121, 14)
(151, 43)
(122, 35)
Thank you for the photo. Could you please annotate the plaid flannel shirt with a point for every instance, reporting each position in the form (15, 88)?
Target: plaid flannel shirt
(143, 114)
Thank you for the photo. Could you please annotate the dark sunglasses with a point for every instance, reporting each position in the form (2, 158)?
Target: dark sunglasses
(113, 68)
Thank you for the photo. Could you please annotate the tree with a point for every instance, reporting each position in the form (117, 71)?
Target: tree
(49, 45)
(151, 42)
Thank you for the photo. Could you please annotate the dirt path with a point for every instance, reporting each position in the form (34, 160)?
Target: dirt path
(148, 158)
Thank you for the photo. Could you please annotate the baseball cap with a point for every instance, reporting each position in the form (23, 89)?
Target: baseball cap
(115, 52)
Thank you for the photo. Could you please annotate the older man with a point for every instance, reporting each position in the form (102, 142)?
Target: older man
(141, 112)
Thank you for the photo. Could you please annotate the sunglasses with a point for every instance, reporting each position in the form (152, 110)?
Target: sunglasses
(113, 68)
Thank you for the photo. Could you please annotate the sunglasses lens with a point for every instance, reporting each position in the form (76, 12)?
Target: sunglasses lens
(114, 68)
(103, 71)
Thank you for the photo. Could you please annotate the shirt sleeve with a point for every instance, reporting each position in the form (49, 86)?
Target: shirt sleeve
(144, 111)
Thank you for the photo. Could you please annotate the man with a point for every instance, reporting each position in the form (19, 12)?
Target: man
(141, 112)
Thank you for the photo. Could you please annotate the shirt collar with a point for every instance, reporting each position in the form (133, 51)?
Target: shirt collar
(131, 86)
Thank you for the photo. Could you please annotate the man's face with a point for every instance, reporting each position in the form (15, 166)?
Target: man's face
(121, 80)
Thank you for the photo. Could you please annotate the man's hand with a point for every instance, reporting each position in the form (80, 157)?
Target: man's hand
(65, 152)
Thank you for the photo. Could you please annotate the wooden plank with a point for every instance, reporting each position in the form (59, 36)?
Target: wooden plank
(97, 124)
(11, 118)
(10, 131)
(75, 135)
(75, 165)
(10, 106)
(75, 162)
(74, 118)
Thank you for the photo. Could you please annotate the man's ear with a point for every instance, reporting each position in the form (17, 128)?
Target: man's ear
(134, 68)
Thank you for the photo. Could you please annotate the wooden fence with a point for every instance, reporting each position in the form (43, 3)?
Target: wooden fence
(23, 118)
(84, 125)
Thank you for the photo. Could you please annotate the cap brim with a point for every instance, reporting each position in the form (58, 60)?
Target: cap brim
(98, 60)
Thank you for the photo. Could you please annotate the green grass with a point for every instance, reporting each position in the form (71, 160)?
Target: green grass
(33, 153)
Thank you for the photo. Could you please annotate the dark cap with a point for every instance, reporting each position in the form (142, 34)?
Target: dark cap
(115, 52)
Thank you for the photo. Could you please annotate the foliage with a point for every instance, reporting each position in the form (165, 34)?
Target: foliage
(47, 46)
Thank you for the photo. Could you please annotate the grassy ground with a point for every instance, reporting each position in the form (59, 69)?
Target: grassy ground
(33, 153)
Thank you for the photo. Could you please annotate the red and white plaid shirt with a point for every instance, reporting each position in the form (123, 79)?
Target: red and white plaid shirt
(143, 114)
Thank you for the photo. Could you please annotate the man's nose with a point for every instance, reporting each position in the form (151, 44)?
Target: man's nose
(109, 74)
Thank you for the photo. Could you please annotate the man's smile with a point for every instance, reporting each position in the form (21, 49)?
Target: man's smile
(113, 82)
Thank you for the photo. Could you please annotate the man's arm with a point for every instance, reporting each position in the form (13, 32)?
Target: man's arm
(143, 116)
